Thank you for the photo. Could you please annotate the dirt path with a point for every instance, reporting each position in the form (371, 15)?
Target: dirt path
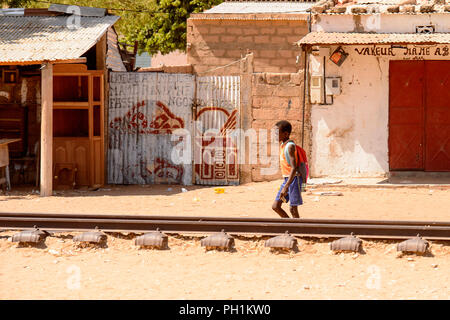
(60, 270)
(186, 271)
(250, 200)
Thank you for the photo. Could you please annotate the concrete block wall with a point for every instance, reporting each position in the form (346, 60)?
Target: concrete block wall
(275, 97)
(219, 42)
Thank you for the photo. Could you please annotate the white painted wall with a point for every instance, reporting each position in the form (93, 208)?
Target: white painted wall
(350, 137)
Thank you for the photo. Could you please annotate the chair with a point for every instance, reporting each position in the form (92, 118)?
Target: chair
(4, 165)
(21, 164)
(5, 179)
(64, 175)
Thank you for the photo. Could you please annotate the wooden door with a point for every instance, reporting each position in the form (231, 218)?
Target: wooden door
(78, 127)
(96, 131)
(437, 123)
(74, 150)
(406, 115)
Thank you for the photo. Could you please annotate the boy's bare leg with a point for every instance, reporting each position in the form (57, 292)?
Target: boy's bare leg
(276, 206)
(294, 212)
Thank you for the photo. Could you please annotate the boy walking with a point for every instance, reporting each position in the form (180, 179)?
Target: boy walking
(293, 173)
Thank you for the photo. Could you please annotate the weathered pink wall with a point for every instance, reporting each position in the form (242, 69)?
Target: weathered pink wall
(175, 58)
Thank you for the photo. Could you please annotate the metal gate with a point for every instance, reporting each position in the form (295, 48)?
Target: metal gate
(144, 111)
(406, 115)
(419, 115)
(216, 115)
(437, 124)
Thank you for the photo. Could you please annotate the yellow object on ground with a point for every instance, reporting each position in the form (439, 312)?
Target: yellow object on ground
(219, 190)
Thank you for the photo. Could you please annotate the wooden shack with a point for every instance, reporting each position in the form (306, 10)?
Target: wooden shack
(53, 67)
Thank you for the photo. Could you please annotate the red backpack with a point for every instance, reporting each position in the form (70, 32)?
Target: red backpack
(300, 157)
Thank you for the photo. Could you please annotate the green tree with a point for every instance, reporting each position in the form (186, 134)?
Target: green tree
(157, 25)
(13, 3)
(165, 31)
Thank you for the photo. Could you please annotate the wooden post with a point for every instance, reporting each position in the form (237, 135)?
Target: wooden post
(47, 130)
(246, 73)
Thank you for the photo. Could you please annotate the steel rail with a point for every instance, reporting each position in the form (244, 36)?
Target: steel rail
(231, 219)
(313, 228)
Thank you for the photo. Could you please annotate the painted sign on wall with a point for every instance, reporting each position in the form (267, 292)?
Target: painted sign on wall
(144, 111)
(403, 51)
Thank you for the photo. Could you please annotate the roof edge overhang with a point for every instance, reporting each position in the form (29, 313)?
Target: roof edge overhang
(349, 38)
(103, 33)
(26, 63)
(407, 14)
(249, 16)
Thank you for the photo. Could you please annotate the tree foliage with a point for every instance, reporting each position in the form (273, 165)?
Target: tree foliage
(13, 3)
(165, 31)
(157, 25)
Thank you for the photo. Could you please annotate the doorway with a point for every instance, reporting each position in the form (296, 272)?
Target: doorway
(419, 115)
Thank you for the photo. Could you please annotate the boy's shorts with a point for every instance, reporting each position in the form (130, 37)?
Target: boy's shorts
(293, 196)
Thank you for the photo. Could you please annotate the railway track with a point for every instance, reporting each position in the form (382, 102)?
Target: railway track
(259, 226)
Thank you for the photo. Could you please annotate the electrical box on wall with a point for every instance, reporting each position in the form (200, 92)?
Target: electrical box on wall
(316, 89)
(332, 86)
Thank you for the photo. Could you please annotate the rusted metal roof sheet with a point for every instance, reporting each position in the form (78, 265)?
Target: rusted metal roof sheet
(37, 39)
(330, 38)
(113, 59)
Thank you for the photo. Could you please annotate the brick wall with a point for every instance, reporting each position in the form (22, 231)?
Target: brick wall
(218, 42)
(275, 97)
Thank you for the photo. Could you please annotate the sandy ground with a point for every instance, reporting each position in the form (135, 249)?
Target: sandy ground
(59, 269)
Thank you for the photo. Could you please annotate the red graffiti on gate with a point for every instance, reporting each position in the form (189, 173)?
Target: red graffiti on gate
(164, 169)
(216, 159)
(230, 124)
(165, 121)
(136, 170)
(135, 121)
(161, 171)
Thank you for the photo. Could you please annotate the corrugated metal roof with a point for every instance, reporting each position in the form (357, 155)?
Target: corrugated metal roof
(113, 58)
(261, 7)
(293, 16)
(12, 12)
(29, 39)
(372, 38)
